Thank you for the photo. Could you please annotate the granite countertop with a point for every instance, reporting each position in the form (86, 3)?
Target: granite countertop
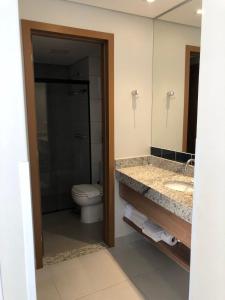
(150, 180)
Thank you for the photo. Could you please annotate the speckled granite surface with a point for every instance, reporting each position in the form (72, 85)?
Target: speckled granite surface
(150, 180)
(155, 161)
(131, 162)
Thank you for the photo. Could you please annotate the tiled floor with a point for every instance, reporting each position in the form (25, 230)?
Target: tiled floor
(63, 231)
(132, 270)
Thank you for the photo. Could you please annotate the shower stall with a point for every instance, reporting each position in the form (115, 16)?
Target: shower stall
(63, 126)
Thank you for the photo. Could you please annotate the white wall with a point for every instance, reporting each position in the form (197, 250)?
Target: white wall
(16, 239)
(133, 69)
(170, 41)
(208, 232)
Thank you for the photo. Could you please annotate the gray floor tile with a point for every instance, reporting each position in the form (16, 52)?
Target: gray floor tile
(63, 231)
(145, 269)
(162, 286)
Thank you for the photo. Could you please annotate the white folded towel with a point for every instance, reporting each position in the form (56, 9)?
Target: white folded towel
(157, 233)
(135, 216)
(153, 231)
(128, 211)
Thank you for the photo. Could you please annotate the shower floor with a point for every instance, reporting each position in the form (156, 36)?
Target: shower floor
(63, 232)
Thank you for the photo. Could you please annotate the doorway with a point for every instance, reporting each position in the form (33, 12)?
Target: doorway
(47, 183)
(192, 60)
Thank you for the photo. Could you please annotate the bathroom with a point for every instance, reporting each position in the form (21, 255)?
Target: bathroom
(150, 224)
(157, 222)
(154, 158)
(69, 128)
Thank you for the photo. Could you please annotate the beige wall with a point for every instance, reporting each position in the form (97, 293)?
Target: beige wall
(168, 74)
(133, 63)
(133, 70)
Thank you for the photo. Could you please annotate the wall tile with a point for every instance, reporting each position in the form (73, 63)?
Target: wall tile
(96, 153)
(96, 132)
(168, 154)
(182, 157)
(94, 66)
(95, 87)
(156, 151)
(95, 172)
(96, 110)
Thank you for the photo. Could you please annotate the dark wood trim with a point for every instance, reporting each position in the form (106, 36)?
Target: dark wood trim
(108, 139)
(107, 40)
(59, 31)
(159, 215)
(33, 146)
(178, 253)
(188, 50)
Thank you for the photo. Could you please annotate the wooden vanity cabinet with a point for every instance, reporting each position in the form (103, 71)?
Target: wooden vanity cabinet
(176, 226)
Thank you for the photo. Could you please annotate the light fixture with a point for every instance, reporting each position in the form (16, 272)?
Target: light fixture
(199, 11)
(150, 1)
(170, 93)
(135, 93)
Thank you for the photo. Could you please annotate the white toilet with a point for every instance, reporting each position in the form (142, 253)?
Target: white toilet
(89, 198)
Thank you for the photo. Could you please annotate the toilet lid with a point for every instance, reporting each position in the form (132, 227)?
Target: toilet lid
(87, 190)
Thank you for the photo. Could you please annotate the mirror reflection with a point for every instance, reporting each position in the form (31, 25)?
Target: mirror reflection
(175, 78)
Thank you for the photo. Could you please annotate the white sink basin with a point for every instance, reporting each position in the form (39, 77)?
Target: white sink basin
(180, 186)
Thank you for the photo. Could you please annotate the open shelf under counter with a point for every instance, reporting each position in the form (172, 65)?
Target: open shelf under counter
(173, 224)
(178, 253)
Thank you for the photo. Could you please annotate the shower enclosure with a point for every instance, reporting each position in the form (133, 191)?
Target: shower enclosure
(63, 122)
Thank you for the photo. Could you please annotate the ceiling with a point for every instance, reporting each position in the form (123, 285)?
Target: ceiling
(62, 51)
(185, 14)
(136, 7)
(66, 52)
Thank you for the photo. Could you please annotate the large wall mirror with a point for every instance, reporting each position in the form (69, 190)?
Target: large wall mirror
(176, 60)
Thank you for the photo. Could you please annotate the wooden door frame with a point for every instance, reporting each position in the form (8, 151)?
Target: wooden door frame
(189, 49)
(107, 39)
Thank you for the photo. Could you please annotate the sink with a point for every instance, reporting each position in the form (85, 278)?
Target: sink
(180, 186)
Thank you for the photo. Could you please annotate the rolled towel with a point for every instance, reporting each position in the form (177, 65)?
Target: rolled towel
(135, 216)
(157, 233)
(169, 239)
(153, 231)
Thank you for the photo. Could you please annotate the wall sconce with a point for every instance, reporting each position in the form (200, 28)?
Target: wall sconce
(135, 93)
(170, 93)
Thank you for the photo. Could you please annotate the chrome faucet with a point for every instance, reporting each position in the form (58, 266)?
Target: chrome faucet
(188, 163)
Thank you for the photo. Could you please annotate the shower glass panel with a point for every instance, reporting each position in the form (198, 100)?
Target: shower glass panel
(65, 157)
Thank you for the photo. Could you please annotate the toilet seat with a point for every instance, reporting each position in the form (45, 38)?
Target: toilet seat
(87, 190)
(87, 194)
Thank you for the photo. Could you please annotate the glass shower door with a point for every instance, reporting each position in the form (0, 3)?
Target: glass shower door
(68, 123)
